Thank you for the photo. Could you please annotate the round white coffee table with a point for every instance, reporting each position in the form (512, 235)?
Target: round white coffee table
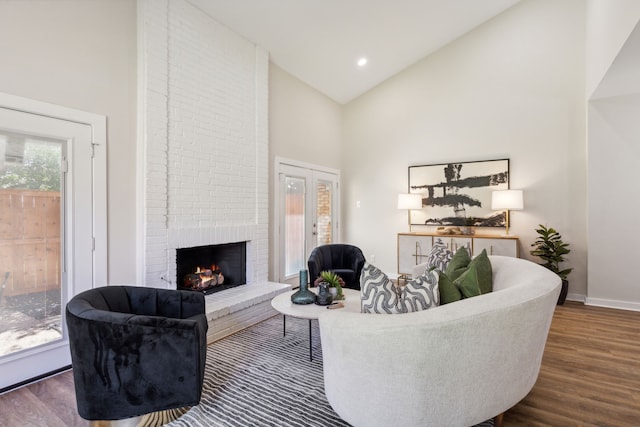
(282, 303)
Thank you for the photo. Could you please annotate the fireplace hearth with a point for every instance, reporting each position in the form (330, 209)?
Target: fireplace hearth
(211, 268)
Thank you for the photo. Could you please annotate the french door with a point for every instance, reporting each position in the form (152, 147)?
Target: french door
(307, 214)
(46, 237)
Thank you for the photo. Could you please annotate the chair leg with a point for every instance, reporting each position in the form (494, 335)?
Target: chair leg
(160, 418)
(127, 422)
(498, 419)
(153, 419)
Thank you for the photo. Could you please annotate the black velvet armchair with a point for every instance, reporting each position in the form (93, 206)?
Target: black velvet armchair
(344, 260)
(136, 350)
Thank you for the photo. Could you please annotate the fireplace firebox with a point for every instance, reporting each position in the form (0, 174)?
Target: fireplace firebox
(211, 268)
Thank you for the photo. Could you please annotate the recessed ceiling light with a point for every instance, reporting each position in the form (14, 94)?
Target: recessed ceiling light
(362, 62)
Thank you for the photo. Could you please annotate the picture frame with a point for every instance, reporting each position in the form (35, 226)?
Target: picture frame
(459, 193)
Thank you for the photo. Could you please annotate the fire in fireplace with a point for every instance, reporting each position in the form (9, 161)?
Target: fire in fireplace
(211, 268)
(204, 277)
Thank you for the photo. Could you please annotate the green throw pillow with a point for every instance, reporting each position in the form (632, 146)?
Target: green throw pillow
(477, 279)
(458, 264)
(449, 292)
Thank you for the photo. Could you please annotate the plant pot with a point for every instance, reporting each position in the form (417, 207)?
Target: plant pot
(324, 296)
(563, 292)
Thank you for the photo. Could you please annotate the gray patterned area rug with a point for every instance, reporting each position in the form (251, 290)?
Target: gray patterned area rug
(257, 377)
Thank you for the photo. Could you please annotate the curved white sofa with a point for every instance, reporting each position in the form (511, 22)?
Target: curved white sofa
(454, 365)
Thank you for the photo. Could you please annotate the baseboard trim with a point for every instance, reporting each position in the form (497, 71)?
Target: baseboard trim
(576, 297)
(34, 379)
(617, 304)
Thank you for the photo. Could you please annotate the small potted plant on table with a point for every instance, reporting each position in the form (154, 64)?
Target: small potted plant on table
(550, 247)
(334, 281)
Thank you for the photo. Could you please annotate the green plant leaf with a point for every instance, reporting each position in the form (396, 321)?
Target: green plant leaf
(551, 249)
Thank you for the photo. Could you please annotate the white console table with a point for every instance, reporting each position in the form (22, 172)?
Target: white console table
(414, 248)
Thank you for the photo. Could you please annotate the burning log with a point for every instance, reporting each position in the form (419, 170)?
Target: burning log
(204, 278)
(192, 281)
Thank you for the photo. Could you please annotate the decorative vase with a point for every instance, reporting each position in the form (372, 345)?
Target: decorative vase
(324, 296)
(334, 292)
(303, 295)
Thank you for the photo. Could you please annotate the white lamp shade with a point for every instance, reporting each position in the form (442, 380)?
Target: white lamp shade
(409, 201)
(507, 199)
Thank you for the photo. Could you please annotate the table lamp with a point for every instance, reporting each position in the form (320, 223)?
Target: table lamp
(507, 200)
(408, 202)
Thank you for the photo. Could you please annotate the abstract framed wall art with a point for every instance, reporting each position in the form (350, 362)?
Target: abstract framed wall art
(459, 194)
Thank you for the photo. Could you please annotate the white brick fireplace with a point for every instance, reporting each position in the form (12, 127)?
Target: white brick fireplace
(203, 117)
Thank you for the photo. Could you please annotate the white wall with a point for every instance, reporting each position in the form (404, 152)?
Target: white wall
(82, 54)
(513, 88)
(614, 153)
(614, 185)
(304, 125)
(609, 24)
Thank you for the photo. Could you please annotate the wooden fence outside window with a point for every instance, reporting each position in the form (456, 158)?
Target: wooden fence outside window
(29, 241)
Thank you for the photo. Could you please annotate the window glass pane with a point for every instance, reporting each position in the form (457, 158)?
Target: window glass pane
(324, 209)
(294, 225)
(30, 246)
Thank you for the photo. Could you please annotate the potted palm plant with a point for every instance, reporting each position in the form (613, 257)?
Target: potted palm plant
(550, 247)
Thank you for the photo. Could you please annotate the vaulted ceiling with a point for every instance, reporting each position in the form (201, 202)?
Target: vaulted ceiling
(320, 41)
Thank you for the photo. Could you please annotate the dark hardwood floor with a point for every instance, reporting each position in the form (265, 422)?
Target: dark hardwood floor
(590, 376)
(50, 402)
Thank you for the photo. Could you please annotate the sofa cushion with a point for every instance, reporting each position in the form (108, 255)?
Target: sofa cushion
(477, 279)
(448, 267)
(439, 257)
(380, 295)
(458, 264)
(420, 293)
(448, 290)
(473, 280)
(377, 291)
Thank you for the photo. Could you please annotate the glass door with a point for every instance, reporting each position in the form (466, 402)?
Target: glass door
(294, 220)
(325, 217)
(46, 242)
(30, 245)
(308, 206)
